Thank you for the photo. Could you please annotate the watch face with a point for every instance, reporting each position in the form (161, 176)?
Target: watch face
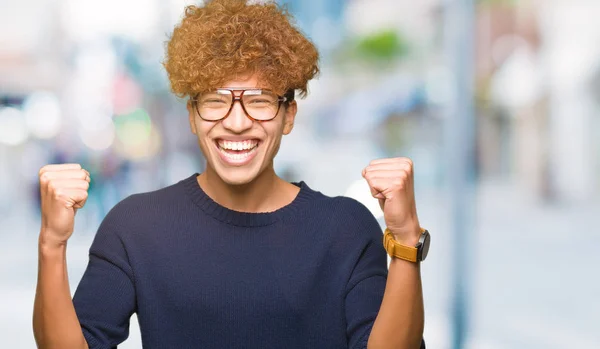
(424, 242)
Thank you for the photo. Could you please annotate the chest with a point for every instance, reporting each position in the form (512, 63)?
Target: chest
(241, 278)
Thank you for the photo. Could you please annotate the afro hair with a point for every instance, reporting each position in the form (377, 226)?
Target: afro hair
(225, 39)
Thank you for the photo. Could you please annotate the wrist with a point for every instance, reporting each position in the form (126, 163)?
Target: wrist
(407, 236)
(47, 242)
(404, 264)
(407, 248)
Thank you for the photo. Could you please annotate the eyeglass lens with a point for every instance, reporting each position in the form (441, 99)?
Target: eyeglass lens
(259, 104)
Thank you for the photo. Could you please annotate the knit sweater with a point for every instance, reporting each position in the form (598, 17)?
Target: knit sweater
(199, 275)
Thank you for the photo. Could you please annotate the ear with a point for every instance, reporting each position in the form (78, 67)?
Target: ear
(191, 116)
(289, 117)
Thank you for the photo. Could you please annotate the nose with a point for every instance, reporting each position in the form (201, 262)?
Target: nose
(237, 121)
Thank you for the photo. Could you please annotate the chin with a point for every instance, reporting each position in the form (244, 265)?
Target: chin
(237, 176)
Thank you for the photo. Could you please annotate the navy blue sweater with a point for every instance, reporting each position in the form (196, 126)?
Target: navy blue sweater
(310, 275)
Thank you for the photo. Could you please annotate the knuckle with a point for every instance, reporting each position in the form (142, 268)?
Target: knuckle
(57, 194)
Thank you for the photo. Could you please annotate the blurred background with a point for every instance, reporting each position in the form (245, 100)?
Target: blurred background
(497, 102)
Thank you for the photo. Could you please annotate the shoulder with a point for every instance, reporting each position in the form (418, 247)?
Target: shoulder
(356, 215)
(347, 214)
(144, 206)
(353, 208)
(339, 204)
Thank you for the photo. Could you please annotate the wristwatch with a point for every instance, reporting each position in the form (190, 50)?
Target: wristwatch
(414, 254)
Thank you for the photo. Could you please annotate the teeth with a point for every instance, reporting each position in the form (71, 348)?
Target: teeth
(229, 145)
(238, 157)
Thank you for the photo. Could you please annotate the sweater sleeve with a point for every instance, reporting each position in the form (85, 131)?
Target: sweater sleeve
(365, 289)
(105, 297)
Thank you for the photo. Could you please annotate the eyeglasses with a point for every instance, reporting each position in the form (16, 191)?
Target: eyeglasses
(258, 104)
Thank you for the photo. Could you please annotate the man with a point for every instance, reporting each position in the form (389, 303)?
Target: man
(236, 257)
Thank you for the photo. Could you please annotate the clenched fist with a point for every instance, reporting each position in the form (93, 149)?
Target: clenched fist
(63, 190)
(391, 181)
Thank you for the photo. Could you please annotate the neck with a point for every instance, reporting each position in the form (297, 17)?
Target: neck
(266, 193)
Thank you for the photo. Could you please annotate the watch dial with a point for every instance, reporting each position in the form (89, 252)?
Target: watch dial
(425, 245)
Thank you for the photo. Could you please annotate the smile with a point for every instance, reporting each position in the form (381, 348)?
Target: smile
(237, 153)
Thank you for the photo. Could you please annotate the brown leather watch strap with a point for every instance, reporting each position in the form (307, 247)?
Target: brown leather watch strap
(396, 249)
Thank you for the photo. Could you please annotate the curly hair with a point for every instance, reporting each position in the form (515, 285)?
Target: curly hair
(228, 38)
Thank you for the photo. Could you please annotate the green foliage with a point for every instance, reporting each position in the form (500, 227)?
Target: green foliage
(385, 45)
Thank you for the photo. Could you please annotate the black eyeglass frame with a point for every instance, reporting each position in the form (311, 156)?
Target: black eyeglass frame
(285, 99)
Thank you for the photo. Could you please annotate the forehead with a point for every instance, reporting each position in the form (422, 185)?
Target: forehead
(244, 81)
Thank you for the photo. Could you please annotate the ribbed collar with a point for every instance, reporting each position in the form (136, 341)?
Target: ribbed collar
(246, 219)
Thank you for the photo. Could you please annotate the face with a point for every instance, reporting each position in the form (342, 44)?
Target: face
(237, 148)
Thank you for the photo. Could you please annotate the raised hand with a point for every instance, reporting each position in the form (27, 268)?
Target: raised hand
(63, 190)
(391, 181)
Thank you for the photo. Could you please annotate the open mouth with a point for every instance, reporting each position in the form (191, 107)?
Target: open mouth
(237, 152)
